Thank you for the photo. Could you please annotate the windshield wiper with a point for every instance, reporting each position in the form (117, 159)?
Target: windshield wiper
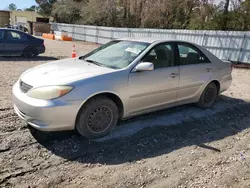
(94, 62)
(99, 64)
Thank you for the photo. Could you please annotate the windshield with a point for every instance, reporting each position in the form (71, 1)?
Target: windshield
(116, 54)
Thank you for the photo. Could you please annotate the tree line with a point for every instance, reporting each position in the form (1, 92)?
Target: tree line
(167, 14)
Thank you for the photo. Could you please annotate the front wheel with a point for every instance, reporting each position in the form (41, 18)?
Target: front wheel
(97, 118)
(208, 96)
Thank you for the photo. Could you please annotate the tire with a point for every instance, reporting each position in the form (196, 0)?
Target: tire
(30, 52)
(91, 118)
(209, 96)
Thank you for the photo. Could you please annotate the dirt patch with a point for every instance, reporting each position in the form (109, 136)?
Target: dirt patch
(178, 147)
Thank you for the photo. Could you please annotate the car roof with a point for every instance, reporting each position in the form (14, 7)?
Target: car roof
(9, 29)
(152, 39)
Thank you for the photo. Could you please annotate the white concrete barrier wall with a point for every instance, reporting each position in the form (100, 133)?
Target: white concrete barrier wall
(230, 45)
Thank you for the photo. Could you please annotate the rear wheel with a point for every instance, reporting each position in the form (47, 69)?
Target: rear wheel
(97, 118)
(30, 52)
(208, 96)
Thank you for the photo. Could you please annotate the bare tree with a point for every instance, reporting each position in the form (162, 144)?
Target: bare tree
(171, 14)
(225, 15)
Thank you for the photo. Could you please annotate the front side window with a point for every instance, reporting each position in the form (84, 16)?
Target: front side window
(190, 55)
(161, 56)
(1, 35)
(116, 54)
(15, 36)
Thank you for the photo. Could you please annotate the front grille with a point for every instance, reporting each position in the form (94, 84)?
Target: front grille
(24, 87)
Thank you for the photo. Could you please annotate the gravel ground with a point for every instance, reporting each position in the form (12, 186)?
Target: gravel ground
(178, 147)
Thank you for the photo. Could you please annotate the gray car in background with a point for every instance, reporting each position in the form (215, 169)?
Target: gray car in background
(17, 43)
(118, 80)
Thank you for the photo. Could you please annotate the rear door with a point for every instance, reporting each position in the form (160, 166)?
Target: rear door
(1, 42)
(15, 43)
(195, 72)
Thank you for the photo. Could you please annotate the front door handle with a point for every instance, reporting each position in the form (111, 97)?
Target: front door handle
(173, 75)
(208, 69)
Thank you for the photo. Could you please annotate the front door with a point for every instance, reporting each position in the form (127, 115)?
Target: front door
(195, 72)
(151, 90)
(15, 43)
(1, 42)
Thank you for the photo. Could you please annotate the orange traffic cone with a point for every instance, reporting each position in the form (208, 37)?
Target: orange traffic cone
(73, 51)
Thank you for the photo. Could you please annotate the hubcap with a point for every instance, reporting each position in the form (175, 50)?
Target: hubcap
(100, 119)
(209, 95)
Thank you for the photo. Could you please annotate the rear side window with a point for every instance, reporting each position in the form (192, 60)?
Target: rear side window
(1, 35)
(15, 36)
(191, 55)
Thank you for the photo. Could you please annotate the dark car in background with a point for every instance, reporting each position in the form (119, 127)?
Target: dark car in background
(18, 43)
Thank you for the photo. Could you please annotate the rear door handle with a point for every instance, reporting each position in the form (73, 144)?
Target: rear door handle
(173, 75)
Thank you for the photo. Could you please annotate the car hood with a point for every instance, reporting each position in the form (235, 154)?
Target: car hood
(62, 72)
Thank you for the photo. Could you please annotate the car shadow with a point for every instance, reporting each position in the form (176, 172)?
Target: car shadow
(37, 58)
(154, 134)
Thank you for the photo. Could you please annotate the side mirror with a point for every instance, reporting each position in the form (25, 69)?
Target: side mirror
(144, 66)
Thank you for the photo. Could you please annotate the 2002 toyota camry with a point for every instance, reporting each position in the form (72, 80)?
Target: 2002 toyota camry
(120, 79)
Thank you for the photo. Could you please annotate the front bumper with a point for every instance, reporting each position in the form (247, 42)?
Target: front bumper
(225, 84)
(45, 115)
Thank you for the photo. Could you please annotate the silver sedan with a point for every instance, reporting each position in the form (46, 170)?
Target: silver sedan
(120, 79)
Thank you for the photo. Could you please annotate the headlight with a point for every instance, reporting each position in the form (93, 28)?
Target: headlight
(49, 92)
